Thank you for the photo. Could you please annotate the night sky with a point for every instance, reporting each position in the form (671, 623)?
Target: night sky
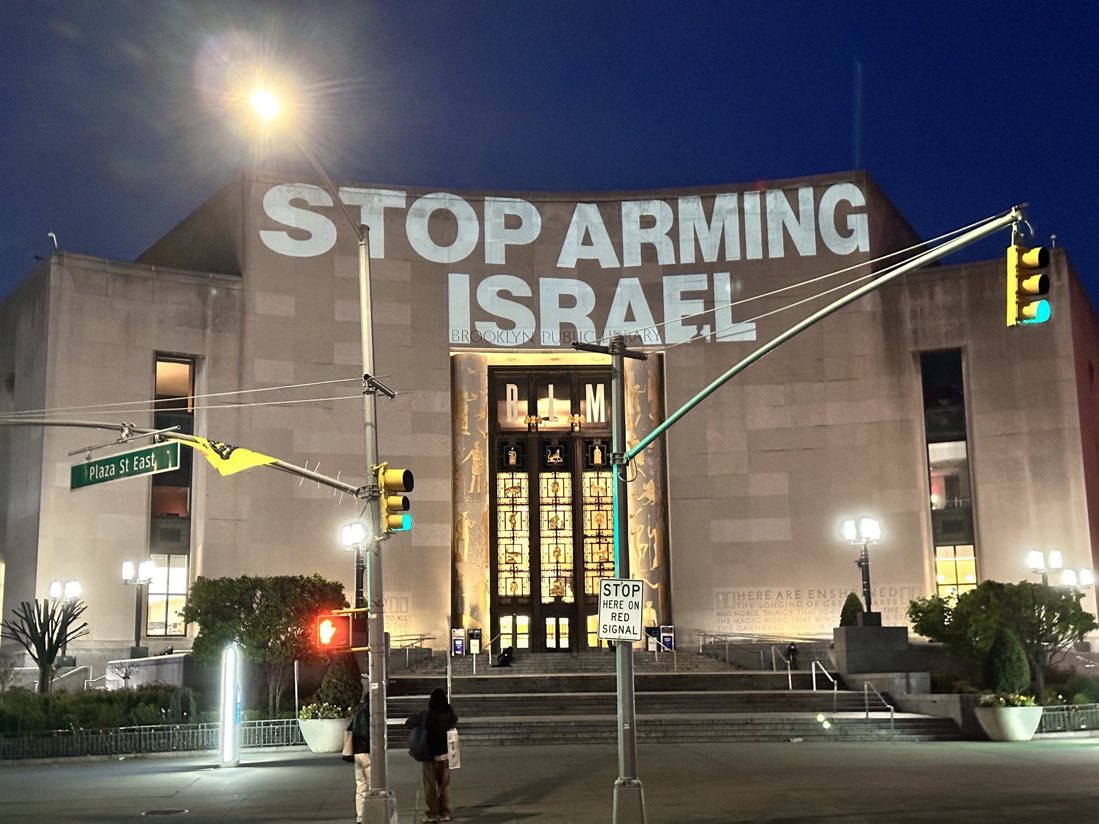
(113, 125)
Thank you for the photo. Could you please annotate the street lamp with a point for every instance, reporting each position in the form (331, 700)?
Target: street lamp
(381, 804)
(139, 579)
(65, 591)
(1045, 563)
(863, 532)
(352, 538)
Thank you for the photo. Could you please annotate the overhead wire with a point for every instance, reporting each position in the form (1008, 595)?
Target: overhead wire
(847, 283)
(122, 407)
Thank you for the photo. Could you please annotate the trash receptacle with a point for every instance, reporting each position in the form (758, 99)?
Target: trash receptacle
(667, 636)
(652, 638)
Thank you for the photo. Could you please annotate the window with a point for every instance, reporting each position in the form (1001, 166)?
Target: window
(170, 502)
(949, 470)
(949, 489)
(955, 570)
(167, 595)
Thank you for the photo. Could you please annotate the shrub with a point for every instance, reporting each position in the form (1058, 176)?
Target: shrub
(182, 707)
(321, 710)
(852, 609)
(1006, 699)
(342, 682)
(1005, 665)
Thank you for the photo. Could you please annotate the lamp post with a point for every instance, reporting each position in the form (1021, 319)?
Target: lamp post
(352, 537)
(138, 578)
(862, 532)
(381, 805)
(1047, 563)
(65, 591)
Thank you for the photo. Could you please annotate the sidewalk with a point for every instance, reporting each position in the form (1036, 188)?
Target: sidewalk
(683, 784)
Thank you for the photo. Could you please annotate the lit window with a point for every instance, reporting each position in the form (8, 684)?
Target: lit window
(167, 595)
(955, 570)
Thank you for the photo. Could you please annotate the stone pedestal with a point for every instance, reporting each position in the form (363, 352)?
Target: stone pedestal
(871, 648)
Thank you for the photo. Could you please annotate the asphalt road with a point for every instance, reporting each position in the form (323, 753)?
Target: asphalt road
(1037, 781)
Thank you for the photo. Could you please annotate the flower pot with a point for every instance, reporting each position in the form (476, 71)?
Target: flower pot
(323, 734)
(1009, 723)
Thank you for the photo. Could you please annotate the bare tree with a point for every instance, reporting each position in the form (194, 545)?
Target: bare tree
(124, 670)
(42, 628)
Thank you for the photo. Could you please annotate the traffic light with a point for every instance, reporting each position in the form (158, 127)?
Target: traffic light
(333, 633)
(393, 506)
(1026, 284)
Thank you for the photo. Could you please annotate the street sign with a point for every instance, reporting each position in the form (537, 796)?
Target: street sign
(160, 457)
(620, 609)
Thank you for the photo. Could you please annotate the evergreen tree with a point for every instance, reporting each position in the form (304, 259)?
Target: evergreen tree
(1005, 667)
(852, 609)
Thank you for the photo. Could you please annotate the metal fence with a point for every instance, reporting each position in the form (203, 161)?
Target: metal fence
(135, 740)
(1069, 718)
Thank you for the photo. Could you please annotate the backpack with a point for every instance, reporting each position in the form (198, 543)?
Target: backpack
(418, 746)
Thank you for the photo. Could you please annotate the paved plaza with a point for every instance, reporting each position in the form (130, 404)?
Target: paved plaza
(1046, 780)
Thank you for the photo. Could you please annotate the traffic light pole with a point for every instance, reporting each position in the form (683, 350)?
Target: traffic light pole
(629, 796)
(1012, 216)
(380, 806)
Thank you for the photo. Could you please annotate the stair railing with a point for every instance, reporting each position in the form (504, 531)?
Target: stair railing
(866, 687)
(714, 637)
(487, 650)
(660, 645)
(817, 665)
(785, 660)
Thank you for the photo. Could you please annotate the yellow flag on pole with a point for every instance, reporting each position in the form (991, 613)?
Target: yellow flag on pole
(228, 459)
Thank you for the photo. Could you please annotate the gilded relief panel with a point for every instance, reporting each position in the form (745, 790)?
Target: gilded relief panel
(469, 379)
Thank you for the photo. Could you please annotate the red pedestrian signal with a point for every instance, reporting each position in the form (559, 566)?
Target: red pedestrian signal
(333, 632)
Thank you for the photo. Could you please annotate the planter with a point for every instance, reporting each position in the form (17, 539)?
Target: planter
(323, 734)
(1009, 723)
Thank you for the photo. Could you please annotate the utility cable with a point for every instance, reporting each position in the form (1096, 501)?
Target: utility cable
(149, 405)
(815, 296)
(912, 248)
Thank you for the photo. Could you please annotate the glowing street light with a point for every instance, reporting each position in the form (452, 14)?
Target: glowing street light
(65, 591)
(265, 104)
(863, 532)
(138, 578)
(1047, 563)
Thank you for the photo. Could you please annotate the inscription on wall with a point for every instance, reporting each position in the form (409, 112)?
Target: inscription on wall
(801, 609)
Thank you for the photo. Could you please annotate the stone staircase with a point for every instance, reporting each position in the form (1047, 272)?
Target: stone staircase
(557, 698)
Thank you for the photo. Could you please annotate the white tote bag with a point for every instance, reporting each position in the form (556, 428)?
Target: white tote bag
(453, 752)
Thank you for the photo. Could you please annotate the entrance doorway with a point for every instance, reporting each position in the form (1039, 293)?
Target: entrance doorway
(550, 501)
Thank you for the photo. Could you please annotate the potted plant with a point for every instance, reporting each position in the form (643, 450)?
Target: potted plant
(322, 725)
(340, 689)
(1007, 714)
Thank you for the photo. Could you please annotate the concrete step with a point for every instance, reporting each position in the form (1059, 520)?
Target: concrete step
(654, 703)
(422, 661)
(514, 682)
(508, 731)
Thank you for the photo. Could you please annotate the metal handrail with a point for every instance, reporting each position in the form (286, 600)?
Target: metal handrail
(866, 687)
(835, 686)
(660, 645)
(725, 639)
(89, 681)
(414, 640)
(774, 667)
(487, 650)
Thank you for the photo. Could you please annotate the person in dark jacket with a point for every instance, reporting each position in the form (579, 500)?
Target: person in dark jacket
(437, 719)
(360, 746)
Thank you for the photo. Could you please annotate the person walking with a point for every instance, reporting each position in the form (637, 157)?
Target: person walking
(436, 719)
(360, 748)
